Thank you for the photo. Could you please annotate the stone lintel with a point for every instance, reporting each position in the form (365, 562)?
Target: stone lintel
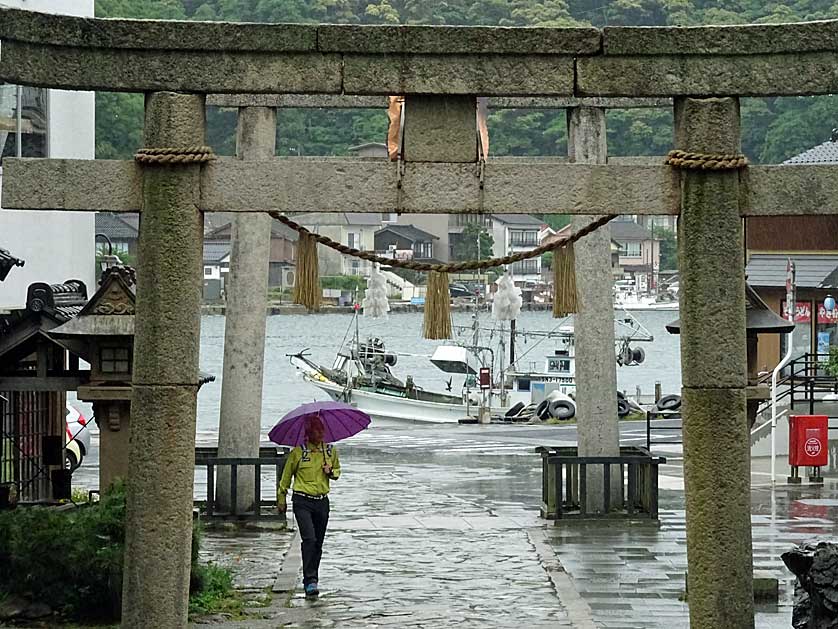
(487, 75)
(346, 101)
(738, 39)
(71, 184)
(787, 74)
(147, 70)
(789, 190)
(387, 39)
(46, 29)
(68, 52)
(355, 185)
(627, 185)
(299, 185)
(348, 185)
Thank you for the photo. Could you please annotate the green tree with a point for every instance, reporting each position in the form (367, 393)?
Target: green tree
(668, 248)
(466, 246)
(773, 129)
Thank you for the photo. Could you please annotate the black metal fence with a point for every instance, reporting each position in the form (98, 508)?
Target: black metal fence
(565, 485)
(32, 429)
(269, 457)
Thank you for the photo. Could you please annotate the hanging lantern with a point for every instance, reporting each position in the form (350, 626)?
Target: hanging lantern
(829, 303)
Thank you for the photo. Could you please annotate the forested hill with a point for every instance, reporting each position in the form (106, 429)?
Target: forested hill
(773, 128)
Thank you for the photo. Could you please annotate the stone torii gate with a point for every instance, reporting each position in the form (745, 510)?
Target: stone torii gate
(176, 64)
(244, 340)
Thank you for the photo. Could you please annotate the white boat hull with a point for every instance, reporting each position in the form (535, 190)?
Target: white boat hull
(391, 408)
(639, 305)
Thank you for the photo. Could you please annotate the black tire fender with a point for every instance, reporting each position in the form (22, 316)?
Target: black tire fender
(543, 410)
(622, 408)
(669, 403)
(562, 409)
(515, 410)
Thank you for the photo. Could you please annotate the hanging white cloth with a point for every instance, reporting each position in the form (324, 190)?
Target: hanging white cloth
(507, 303)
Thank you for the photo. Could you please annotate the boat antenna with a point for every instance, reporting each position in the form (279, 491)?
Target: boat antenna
(357, 309)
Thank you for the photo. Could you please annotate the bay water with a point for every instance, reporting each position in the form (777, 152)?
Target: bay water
(323, 334)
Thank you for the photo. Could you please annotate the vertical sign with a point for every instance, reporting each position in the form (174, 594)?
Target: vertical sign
(790, 297)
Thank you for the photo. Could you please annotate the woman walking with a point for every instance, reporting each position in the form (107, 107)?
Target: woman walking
(312, 466)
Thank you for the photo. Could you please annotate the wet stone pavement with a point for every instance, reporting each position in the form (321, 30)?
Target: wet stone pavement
(437, 526)
(633, 576)
(415, 542)
(429, 531)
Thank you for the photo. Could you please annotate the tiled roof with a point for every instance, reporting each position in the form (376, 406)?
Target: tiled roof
(524, 220)
(826, 153)
(629, 230)
(759, 317)
(7, 261)
(409, 232)
(117, 227)
(768, 270)
(370, 219)
(215, 251)
(278, 230)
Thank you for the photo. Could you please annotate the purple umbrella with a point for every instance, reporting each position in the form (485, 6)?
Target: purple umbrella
(339, 420)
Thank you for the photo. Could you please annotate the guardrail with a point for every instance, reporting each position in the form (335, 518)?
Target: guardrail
(269, 456)
(565, 484)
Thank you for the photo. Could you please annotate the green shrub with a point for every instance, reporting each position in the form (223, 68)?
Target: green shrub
(72, 559)
(830, 365)
(344, 282)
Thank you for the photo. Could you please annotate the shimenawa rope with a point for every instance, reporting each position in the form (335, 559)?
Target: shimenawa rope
(451, 267)
(687, 160)
(171, 155)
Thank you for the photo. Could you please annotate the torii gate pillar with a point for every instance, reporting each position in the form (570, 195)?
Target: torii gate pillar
(596, 369)
(713, 361)
(166, 343)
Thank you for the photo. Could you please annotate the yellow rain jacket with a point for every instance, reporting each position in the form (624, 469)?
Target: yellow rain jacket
(305, 466)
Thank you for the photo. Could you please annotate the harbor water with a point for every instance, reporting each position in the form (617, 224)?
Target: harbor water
(323, 334)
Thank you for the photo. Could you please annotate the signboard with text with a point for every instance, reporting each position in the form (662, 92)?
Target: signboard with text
(803, 313)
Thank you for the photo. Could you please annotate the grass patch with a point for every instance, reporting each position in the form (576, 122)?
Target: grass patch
(215, 593)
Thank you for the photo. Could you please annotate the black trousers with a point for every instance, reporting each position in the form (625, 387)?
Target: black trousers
(312, 518)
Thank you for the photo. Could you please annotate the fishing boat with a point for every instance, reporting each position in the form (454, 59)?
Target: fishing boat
(627, 297)
(538, 382)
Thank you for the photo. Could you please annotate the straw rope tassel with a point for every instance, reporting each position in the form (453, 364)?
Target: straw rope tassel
(564, 281)
(307, 287)
(437, 307)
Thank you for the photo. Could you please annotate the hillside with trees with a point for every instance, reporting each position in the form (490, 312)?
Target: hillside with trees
(774, 129)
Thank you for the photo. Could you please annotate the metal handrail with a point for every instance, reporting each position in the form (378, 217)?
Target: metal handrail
(757, 431)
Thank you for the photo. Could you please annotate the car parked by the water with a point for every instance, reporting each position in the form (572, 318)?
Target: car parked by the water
(78, 438)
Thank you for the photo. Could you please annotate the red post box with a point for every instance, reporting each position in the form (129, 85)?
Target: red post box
(808, 444)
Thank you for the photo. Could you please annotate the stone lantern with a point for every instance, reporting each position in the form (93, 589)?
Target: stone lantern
(105, 327)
